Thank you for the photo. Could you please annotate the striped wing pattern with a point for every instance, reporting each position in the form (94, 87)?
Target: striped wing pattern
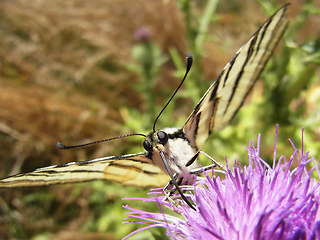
(227, 94)
(214, 111)
(133, 170)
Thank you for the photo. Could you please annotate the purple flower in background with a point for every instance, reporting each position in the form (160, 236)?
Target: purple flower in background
(256, 202)
(143, 34)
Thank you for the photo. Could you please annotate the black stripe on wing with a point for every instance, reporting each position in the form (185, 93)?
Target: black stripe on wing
(134, 169)
(227, 94)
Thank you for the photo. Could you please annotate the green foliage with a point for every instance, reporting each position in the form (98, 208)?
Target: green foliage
(285, 78)
(150, 60)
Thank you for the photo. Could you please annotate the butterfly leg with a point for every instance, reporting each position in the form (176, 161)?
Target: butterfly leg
(170, 183)
(174, 189)
(195, 171)
(221, 166)
(191, 161)
(199, 170)
(203, 169)
(168, 195)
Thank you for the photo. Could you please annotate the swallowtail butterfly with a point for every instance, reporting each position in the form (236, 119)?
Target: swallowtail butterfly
(173, 151)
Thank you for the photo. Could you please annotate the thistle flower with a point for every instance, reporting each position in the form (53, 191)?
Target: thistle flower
(257, 202)
(143, 34)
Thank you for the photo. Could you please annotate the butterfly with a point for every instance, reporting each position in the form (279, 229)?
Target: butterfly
(171, 153)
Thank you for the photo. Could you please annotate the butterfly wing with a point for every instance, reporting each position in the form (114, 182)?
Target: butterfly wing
(214, 111)
(227, 94)
(134, 170)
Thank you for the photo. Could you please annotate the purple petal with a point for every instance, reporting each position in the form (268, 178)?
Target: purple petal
(256, 202)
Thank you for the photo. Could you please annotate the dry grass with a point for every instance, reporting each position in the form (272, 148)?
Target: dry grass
(63, 76)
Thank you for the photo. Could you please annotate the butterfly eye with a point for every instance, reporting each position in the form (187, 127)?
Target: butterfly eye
(163, 137)
(147, 146)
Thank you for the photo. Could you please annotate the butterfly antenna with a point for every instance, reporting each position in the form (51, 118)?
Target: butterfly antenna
(62, 146)
(189, 64)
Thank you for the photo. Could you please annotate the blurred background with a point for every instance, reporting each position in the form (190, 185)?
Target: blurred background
(81, 70)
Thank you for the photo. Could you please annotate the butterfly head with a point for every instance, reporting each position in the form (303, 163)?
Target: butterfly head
(157, 139)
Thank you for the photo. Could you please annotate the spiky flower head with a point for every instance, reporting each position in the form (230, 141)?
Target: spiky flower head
(257, 201)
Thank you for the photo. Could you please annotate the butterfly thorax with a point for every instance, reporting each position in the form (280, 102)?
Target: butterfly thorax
(176, 148)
